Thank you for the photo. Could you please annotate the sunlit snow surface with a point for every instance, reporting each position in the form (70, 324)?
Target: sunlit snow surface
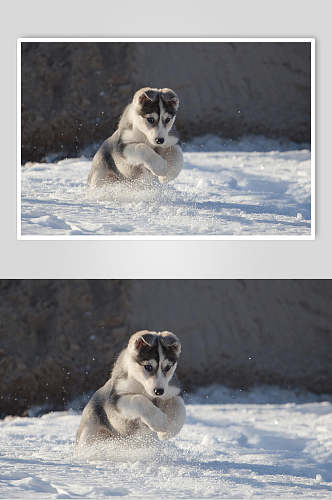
(254, 186)
(267, 443)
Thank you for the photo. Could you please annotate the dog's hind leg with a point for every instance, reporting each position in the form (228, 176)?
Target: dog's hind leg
(93, 433)
(103, 169)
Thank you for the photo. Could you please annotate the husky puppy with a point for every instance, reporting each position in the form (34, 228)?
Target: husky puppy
(142, 398)
(145, 145)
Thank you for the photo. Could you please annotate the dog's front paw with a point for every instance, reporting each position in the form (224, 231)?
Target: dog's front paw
(167, 435)
(163, 436)
(158, 422)
(159, 167)
(162, 179)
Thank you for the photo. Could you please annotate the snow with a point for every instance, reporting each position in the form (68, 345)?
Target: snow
(253, 186)
(266, 443)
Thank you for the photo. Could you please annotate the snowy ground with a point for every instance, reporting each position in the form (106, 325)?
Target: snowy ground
(266, 443)
(255, 186)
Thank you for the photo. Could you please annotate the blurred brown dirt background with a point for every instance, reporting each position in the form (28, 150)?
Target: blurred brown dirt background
(73, 93)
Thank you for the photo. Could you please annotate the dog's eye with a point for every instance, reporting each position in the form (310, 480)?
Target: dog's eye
(167, 119)
(167, 368)
(148, 368)
(150, 119)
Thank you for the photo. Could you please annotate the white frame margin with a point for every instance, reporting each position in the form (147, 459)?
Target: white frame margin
(170, 237)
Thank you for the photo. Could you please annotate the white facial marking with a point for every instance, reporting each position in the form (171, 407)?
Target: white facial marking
(162, 130)
(160, 380)
(162, 111)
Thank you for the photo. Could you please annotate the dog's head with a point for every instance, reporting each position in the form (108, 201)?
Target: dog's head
(155, 356)
(155, 114)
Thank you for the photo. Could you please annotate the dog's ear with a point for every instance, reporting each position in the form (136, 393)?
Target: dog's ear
(141, 339)
(170, 341)
(149, 95)
(170, 97)
(144, 95)
(147, 339)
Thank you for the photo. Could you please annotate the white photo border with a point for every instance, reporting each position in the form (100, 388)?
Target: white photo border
(295, 39)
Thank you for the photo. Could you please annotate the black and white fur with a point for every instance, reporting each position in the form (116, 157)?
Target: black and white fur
(144, 146)
(142, 397)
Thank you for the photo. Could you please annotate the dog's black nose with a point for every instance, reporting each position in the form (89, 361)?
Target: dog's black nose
(159, 392)
(160, 140)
